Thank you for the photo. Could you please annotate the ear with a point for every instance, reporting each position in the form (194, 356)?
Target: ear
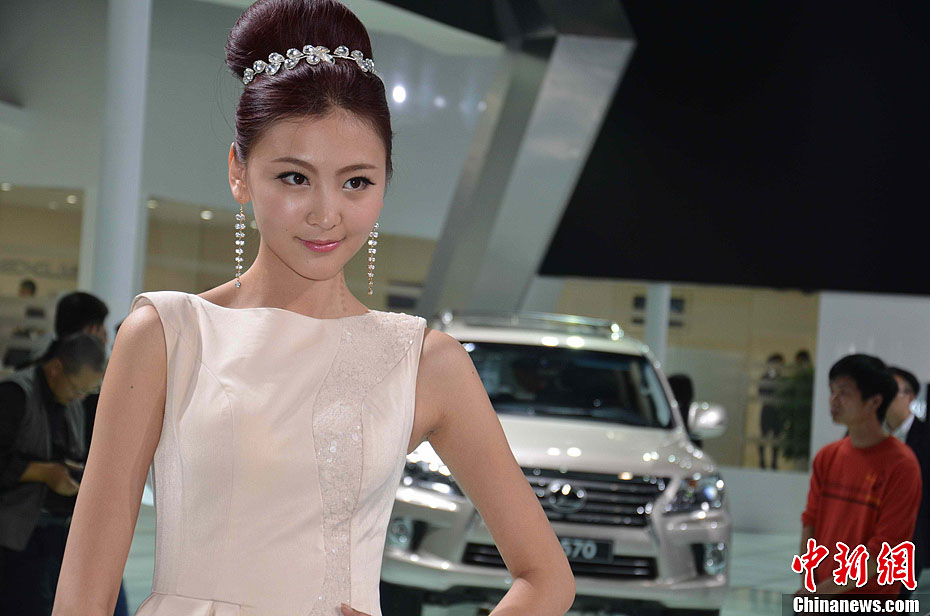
(874, 402)
(237, 183)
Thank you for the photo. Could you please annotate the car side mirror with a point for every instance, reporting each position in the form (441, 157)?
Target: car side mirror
(706, 420)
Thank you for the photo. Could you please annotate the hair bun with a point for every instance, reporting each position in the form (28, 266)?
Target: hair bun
(274, 26)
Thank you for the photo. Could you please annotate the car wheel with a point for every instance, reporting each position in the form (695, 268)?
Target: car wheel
(400, 600)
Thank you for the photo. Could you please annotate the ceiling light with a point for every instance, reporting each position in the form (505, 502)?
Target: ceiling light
(6, 186)
(440, 102)
(399, 93)
(72, 199)
(206, 214)
(575, 341)
(482, 105)
(151, 204)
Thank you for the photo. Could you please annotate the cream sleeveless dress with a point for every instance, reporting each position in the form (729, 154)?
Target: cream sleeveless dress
(283, 444)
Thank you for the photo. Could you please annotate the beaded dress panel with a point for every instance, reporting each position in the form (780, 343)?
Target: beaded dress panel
(283, 443)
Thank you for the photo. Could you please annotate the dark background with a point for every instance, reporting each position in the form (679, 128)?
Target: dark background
(762, 143)
(751, 142)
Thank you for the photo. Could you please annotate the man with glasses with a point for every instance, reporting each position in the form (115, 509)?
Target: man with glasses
(42, 449)
(902, 423)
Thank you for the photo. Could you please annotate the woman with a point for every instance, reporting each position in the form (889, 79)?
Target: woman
(278, 408)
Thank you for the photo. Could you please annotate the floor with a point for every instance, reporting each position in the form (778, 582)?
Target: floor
(760, 572)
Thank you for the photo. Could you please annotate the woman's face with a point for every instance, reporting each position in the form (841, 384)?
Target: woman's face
(315, 180)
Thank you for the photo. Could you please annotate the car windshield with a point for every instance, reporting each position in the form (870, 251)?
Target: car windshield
(571, 383)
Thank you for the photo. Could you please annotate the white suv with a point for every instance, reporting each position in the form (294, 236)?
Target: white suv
(590, 417)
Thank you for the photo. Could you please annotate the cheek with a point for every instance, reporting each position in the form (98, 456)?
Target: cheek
(276, 210)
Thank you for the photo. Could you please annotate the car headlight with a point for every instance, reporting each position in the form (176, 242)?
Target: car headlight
(424, 469)
(700, 492)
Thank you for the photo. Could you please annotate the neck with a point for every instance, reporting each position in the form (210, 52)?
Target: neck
(271, 282)
(866, 434)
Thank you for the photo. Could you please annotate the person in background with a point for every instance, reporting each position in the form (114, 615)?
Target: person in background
(75, 312)
(27, 288)
(771, 422)
(42, 447)
(794, 398)
(865, 488)
(683, 390)
(81, 312)
(902, 424)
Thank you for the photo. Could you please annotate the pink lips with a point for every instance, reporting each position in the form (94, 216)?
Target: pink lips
(315, 247)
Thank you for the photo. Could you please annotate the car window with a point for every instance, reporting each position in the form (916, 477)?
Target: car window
(571, 383)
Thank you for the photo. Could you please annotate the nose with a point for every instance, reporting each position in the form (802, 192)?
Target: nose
(324, 209)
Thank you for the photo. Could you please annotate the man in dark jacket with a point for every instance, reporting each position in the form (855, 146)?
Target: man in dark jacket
(902, 423)
(42, 449)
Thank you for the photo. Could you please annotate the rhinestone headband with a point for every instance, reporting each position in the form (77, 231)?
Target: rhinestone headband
(313, 54)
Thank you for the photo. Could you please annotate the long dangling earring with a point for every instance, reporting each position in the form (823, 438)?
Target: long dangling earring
(240, 242)
(372, 249)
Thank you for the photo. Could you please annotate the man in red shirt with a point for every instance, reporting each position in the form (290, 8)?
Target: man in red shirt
(865, 489)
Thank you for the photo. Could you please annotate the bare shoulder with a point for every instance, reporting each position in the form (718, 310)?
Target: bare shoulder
(442, 351)
(443, 364)
(141, 327)
(140, 344)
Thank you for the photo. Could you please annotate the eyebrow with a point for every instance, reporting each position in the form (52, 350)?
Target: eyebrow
(306, 165)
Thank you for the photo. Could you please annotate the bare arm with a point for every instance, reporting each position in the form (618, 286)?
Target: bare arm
(126, 432)
(469, 439)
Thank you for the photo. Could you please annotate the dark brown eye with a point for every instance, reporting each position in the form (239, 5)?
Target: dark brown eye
(296, 179)
(359, 183)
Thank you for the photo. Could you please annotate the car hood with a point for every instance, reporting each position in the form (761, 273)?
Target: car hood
(598, 447)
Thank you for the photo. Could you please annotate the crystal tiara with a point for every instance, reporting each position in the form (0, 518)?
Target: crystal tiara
(313, 54)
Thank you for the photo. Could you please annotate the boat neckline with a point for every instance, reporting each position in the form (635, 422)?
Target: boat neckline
(276, 309)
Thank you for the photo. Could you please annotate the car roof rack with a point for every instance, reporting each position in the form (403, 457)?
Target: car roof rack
(544, 321)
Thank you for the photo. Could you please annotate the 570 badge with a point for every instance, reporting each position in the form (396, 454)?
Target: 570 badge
(583, 550)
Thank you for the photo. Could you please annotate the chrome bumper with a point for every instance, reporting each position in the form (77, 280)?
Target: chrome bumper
(435, 565)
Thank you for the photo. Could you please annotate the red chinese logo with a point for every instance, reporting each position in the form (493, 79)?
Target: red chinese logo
(808, 562)
(850, 564)
(897, 564)
(893, 564)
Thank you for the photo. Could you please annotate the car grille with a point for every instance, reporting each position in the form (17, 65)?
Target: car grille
(615, 500)
(621, 567)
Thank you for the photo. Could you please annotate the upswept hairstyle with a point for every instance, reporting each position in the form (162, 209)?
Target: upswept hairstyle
(305, 91)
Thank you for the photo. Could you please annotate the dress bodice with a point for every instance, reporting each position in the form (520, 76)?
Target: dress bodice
(283, 443)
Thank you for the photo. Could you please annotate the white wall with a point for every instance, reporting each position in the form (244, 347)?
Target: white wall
(52, 57)
(766, 501)
(892, 327)
(53, 52)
